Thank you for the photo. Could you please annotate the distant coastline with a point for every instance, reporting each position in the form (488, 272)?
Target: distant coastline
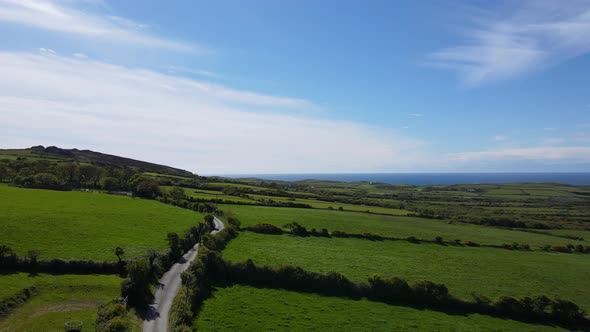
(424, 179)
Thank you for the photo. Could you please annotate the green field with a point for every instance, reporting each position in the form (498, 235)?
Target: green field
(61, 298)
(488, 271)
(212, 195)
(243, 308)
(396, 226)
(86, 225)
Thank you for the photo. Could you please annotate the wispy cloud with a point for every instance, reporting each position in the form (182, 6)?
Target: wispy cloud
(532, 35)
(547, 153)
(52, 15)
(500, 138)
(79, 102)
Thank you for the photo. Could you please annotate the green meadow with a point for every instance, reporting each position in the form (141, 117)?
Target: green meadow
(243, 308)
(395, 226)
(486, 271)
(86, 225)
(60, 298)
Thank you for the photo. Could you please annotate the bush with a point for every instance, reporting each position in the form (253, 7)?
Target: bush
(430, 292)
(390, 289)
(561, 249)
(118, 324)
(264, 228)
(471, 244)
(438, 239)
(373, 237)
(112, 316)
(17, 299)
(233, 221)
(296, 229)
(181, 313)
(412, 239)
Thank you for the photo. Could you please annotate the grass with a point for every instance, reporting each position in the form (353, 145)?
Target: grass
(397, 226)
(317, 204)
(82, 225)
(243, 308)
(488, 271)
(61, 298)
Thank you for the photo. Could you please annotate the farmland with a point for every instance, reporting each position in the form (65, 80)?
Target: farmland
(504, 242)
(487, 271)
(395, 226)
(60, 298)
(254, 309)
(86, 225)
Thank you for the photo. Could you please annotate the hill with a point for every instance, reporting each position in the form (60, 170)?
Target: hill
(90, 157)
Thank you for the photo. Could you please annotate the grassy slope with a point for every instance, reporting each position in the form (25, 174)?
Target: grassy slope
(86, 225)
(487, 271)
(61, 298)
(242, 308)
(391, 226)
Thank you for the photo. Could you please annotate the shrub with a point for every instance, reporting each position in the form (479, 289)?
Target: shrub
(339, 234)
(296, 229)
(430, 292)
(438, 239)
(390, 290)
(181, 313)
(118, 324)
(113, 311)
(561, 249)
(265, 229)
(412, 239)
(17, 299)
(373, 237)
(471, 244)
(233, 221)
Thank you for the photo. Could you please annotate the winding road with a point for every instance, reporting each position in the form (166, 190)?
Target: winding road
(170, 283)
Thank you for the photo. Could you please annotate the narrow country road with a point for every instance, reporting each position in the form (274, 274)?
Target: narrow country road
(169, 286)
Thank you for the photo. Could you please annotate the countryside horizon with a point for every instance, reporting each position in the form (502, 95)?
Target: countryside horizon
(256, 165)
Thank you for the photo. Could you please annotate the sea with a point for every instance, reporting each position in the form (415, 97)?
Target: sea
(424, 179)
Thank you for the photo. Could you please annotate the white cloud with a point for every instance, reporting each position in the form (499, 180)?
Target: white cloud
(56, 16)
(553, 140)
(499, 138)
(554, 154)
(77, 102)
(533, 35)
(416, 115)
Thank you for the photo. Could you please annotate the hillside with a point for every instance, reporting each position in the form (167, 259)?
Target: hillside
(91, 157)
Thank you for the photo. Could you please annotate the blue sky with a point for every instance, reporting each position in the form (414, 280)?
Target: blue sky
(223, 87)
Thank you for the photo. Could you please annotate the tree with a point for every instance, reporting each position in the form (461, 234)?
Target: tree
(137, 285)
(67, 172)
(177, 193)
(119, 252)
(147, 188)
(33, 256)
(45, 180)
(210, 220)
(90, 175)
(3, 172)
(110, 183)
(174, 244)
